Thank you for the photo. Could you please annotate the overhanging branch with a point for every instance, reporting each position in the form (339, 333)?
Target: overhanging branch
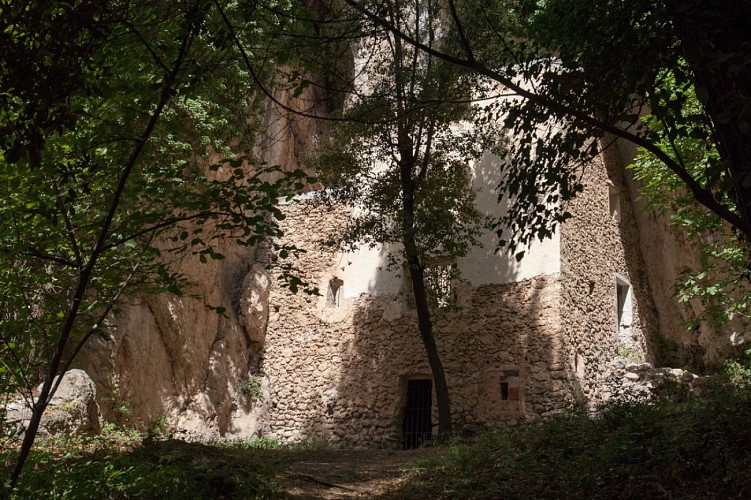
(702, 195)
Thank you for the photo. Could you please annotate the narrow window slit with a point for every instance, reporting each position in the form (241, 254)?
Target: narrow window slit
(504, 391)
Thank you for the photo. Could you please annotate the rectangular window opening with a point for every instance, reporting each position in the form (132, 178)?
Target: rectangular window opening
(615, 203)
(439, 286)
(504, 391)
(334, 292)
(624, 308)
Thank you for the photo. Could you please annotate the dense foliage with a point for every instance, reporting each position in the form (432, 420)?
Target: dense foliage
(680, 446)
(128, 136)
(581, 71)
(121, 464)
(720, 280)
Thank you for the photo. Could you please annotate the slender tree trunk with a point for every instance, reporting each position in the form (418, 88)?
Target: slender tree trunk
(417, 271)
(425, 326)
(49, 387)
(409, 185)
(31, 431)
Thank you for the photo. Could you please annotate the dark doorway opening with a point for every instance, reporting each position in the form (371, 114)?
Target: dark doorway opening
(417, 425)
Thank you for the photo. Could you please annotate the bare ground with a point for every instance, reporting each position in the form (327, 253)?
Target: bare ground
(349, 473)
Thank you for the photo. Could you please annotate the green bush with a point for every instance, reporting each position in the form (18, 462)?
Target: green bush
(121, 408)
(258, 443)
(679, 446)
(251, 387)
(113, 465)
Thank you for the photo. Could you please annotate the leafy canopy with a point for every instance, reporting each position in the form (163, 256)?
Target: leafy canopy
(128, 137)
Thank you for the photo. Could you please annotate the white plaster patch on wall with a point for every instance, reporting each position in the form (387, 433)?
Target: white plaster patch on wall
(365, 271)
(483, 265)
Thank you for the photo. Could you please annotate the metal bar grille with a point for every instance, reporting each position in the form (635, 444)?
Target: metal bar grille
(417, 420)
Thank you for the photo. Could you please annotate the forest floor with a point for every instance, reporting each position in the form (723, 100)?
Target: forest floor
(331, 474)
(679, 445)
(120, 464)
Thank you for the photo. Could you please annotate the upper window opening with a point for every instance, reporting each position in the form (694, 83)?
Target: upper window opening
(439, 286)
(615, 203)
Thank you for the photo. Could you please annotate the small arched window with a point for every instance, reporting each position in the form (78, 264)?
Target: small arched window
(334, 292)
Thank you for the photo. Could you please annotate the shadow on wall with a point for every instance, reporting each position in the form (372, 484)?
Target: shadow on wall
(629, 242)
(501, 347)
(495, 268)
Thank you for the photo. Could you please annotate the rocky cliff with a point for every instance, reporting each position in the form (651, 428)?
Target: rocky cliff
(666, 251)
(178, 358)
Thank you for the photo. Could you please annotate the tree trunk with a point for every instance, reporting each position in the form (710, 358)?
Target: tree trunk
(31, 431)
(425, 326)
(416, 270)
(714, 41)
(404, 93)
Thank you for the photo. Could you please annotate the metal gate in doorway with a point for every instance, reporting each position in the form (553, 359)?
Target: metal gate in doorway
(417, 425)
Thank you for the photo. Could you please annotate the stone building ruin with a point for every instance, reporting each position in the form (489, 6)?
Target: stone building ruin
(520, 340)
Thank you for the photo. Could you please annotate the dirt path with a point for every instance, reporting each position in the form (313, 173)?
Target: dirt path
(349, 473)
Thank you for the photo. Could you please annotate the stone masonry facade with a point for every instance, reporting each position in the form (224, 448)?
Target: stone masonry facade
(599, 252)
(339, 371)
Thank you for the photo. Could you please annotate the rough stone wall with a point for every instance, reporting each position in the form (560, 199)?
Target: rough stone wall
(597, 246)
(340, 373)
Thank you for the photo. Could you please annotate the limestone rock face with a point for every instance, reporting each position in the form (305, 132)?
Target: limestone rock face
(176, 356)
(182, 358)
(72, 409)
(254, 303)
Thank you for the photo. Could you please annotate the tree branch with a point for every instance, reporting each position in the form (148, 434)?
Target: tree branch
(162, 225)
(702, 195)
(86, 273)
(460, 30)
(68, 227)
